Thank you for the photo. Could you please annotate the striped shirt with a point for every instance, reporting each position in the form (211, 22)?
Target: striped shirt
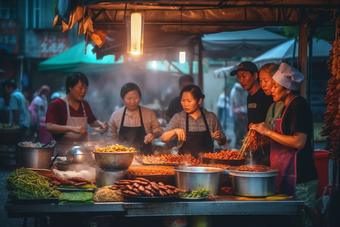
(150, 121)
(198, 125)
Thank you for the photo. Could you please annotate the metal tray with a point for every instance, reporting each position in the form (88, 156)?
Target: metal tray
(223, 161)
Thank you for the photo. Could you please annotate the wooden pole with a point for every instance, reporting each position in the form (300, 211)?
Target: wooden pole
(302, 58)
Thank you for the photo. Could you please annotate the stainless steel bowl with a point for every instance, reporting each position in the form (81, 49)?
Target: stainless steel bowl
(195, 178)
(114, 160)
(253, 184)
(79, 154)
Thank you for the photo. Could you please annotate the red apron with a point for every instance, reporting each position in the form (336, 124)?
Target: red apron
(283, 158)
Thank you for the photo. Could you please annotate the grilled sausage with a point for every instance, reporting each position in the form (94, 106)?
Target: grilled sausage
(136, 190)
(142, 179)
(141, 188)
(148, 187)
(169, 192)
(170, 187)
(143, 183)
(128, 192)
(162, 187)
(135, 185)
(77, 179)
(129, 187)
(154, 191)
(161, 183)
(155, 186)
(80, 183)
(146, 192)
(161, 193)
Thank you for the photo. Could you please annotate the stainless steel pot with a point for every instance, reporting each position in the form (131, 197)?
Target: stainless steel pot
(195, 178)
(106, 178)
(79, 154)
(253, 184)
(35, 157)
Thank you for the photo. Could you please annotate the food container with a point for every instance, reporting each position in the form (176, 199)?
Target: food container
(114, 160)
(79, 154)
(106, 178)
(35, 157)
(195, 178)
(253, 184)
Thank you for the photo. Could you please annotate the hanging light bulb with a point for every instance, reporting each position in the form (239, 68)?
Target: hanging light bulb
(182, 57)
(154, 64)
(136, 34)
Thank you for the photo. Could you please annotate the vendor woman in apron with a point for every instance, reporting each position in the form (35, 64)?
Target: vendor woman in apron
(134, 125)
(195, 127)
(291, 148)
(67, 118)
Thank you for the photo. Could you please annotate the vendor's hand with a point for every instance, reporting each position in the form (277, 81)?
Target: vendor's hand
(80, 130)
(262, 128)
(180, 134)
(104, 127)
(149, 138)
(216, 135)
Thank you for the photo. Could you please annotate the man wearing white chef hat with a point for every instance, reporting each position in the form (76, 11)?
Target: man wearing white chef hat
(291, 149)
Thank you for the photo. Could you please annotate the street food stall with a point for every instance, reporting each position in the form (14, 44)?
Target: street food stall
(171, 185)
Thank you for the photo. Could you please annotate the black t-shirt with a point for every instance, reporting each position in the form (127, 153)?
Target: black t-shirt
(258, 105)
(299, 118)
(175, 106)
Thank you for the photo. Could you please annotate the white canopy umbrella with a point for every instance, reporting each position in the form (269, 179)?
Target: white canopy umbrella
(285, 51)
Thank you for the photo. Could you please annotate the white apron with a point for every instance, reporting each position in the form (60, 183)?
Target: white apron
(67, 141)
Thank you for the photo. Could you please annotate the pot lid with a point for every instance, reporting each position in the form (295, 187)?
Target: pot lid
(79, 150)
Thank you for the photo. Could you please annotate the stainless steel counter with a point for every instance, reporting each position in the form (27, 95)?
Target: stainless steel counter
(225, 205)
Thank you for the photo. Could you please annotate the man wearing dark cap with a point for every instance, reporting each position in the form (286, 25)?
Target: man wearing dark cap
(258, 102)
(175, 104)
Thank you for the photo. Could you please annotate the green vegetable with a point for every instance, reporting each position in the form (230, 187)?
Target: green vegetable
(76, 197)
(196, 194)
(24, 183)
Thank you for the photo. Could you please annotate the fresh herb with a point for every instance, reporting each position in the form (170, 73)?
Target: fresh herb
(196, 194)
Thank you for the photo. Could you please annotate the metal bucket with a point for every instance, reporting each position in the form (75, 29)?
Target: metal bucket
(195, 178)
(253, 184)
(35, 157)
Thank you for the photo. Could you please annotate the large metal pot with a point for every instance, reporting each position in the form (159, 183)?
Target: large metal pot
(195, 178)
(79, 154)
(35, 157)
(106, 178)
(253, 184)
(114, 160)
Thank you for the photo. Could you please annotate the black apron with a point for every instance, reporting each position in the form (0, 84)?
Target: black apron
(197, 142)
(134, 136)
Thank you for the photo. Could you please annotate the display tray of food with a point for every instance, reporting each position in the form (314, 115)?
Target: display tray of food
(165, 174)
(142, 188)
(24, 201)
(26, 186)
(167, 159)
(225, 157)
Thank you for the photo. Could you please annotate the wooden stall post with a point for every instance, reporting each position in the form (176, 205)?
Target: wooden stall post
(302, 58)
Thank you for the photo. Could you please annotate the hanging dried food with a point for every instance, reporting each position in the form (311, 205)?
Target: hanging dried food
(331, 129)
